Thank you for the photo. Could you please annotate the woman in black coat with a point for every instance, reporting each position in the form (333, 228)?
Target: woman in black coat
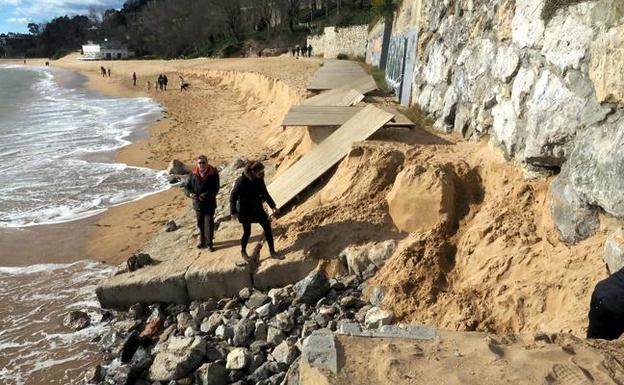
(203, 186)
(246, 200)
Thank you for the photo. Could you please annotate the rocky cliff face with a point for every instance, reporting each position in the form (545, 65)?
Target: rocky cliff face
(544, 81)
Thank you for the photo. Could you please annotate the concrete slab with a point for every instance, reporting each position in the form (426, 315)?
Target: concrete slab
(216, 274)
(277, 273)
(163, 282)
(410, 332)
(319, 350)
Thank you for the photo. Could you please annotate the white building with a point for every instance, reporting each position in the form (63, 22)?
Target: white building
(105, 51)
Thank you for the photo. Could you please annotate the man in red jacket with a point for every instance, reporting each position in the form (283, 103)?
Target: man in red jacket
(203, 186)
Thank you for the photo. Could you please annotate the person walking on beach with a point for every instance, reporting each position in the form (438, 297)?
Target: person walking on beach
(159, 82)
(297, 49)
(103, 71)
(203, 186)
(109, 72)
(248, 194)
(148, 86)
(165, 81)
(134, 79)
(310, 50)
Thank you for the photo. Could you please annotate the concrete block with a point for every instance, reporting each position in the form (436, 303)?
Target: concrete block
(319, 350)
(163, 282)
(278, 273)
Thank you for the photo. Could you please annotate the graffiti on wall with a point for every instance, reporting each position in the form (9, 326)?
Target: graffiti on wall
(400, 64)
(373, 50)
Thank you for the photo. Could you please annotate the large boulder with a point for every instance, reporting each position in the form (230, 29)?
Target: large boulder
(596, 166)
(422, 197)
(358, 258)
(313, 287)
(77, 320)
(177, 358)
(285, 353)
(557, 110)
(177, 167)
(614, 251)
(573, 217)
(567, 40)
(527, 26)
(212, 374)
(243, 332)
(506, 63)
(238, 359)
(376, 318)
(607, 61)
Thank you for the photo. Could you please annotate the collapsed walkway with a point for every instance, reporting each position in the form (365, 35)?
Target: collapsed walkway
(202, 274)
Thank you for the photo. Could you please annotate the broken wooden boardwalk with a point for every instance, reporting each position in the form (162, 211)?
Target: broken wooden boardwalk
(329, 152)
(335, 74)
(315, 116)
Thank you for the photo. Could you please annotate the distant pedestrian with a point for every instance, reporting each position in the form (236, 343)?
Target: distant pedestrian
(109, 72)
(310, 50)
(134, 79)
(103, 71)
(24, 61)
(160, 82)
(293, 52)
(248, 194)
(184, 85)
(297, 49)
(165, 81)
(203, 186)
(148, 86)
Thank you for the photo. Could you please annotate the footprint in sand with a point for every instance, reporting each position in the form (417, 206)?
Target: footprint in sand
(568, 374)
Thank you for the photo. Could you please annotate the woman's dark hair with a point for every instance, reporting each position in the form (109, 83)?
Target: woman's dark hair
(256, 166)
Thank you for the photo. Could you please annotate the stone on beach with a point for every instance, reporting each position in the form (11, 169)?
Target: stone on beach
(177, 167)
(177, 358)
(77, 320)
(313, 287)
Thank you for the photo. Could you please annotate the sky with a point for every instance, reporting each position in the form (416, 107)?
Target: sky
(16, 14)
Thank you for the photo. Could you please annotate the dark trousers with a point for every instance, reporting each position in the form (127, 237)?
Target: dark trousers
(268, 234)
(603, 323)
(202, 218)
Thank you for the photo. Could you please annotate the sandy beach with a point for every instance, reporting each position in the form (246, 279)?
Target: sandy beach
(212, 118)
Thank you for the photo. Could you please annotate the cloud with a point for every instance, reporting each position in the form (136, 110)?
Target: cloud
(51, 8)
(18, 20)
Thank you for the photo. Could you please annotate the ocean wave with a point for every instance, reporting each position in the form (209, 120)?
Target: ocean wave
(50, 132)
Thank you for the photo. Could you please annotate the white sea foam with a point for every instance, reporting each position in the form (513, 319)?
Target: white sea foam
(33, 343)
(47, 131)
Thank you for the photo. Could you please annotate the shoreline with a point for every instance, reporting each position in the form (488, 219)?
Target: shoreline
(100, 237)
(215, 118)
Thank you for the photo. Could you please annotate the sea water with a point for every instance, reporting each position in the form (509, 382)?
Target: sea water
(56, 146)
(35, 347)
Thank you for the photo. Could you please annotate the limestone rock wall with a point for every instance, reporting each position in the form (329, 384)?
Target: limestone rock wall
(550, 93)
(350, 41)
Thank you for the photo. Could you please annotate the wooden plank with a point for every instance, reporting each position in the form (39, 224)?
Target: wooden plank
(339, 96)
(335, 74)
(316, 116)
(334, 81)
(329, 152)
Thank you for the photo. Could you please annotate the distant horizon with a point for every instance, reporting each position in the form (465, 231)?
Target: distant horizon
(16, 14)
